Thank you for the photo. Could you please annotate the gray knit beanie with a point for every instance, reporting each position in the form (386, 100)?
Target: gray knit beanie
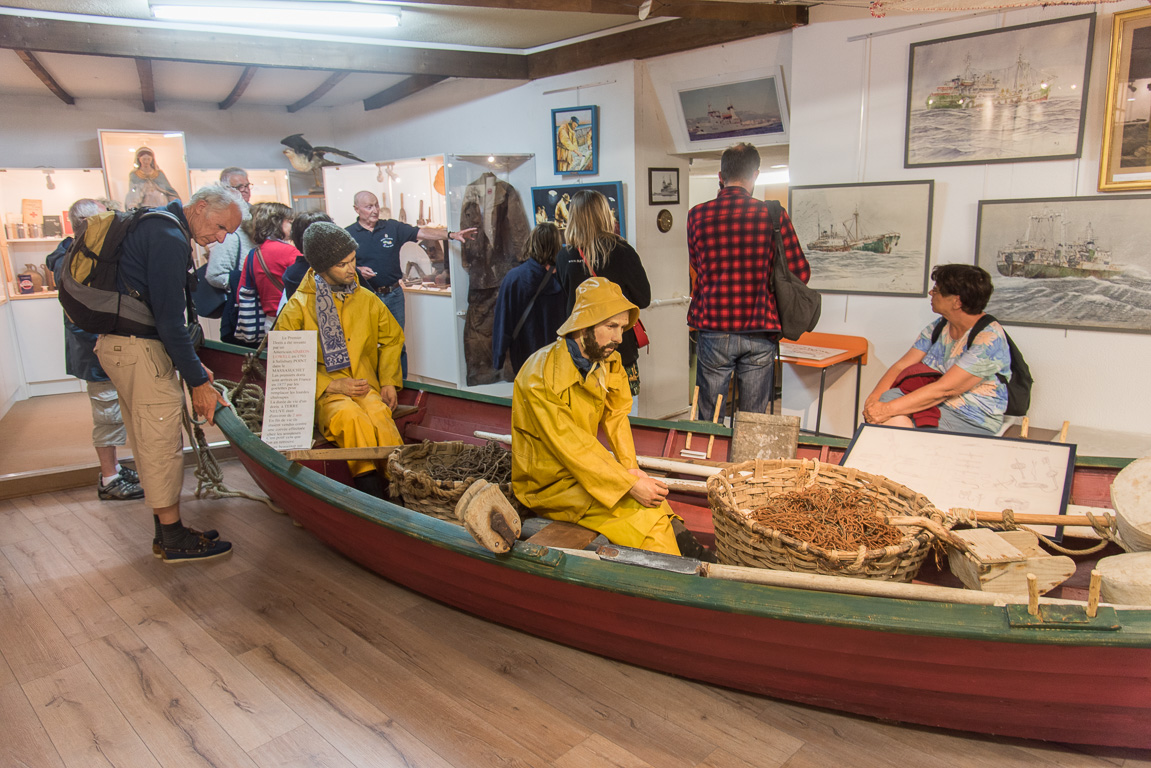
(326, 245)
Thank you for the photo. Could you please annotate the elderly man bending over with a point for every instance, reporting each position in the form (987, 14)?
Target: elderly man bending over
(564, 394)
(358, 371)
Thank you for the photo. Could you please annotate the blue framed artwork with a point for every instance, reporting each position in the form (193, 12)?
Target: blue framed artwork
(551, 203)
(575, 140)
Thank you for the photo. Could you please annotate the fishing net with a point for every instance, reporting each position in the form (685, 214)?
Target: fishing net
(431, 477)
(492, 462)
(879, 8)
(831, 518)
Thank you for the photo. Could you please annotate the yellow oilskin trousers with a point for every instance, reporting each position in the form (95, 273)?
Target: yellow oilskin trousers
(357, 422)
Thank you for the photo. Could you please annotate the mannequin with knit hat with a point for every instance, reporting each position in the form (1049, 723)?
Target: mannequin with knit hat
(358, 369)
(563, 396)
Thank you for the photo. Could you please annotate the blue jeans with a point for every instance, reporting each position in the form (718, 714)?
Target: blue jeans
(394, 301)
(750, 355)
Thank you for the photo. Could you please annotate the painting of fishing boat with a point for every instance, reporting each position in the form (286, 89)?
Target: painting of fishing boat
(865, 238)
(1004, 95)
(715, 112)
(913, 653)
(1078, 262)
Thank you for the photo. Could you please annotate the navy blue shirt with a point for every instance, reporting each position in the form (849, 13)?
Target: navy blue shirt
(539, 329)
(155, 261)
(379, 249)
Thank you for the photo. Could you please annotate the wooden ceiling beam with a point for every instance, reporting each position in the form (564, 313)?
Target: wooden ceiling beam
(60, 36)
(49, 81)
(685, 9)
(147, 85)
(241, 86)
(401, 90)
(659, 40)
(332, 81)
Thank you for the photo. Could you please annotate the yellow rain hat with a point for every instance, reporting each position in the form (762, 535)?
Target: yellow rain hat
(598, 299)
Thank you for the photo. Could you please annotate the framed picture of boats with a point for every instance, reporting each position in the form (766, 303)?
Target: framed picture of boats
(575, 140)
(1068, 262)
(865, 238)
(552, 203)
(1125, 162)
(663, 186)
(713, 113)
(1001, 96)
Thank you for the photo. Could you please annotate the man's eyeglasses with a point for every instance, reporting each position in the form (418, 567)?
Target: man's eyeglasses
(242, 187)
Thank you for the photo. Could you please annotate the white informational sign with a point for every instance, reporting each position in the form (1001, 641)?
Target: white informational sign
(983, 473)
(290, 392)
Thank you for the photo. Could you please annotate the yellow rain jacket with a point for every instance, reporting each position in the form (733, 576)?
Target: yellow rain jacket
(374, 341)
(560, 470)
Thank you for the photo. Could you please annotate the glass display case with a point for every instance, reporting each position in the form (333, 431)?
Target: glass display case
(34, 203)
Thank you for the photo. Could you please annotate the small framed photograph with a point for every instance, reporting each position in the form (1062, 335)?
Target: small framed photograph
(872, 238)
(1001, 96)
(1125, 162)
(663, 186)
(553, 203)
(713, 113)
(575, 138)
(144, 169)
(1068, 262)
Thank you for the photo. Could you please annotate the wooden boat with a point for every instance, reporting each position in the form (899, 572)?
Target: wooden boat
(986, 668)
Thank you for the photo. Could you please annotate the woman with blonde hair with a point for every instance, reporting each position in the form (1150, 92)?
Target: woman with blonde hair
(595, 248)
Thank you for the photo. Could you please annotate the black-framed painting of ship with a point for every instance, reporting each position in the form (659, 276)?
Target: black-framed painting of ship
(1068, 262)
(1006, 95)
(872, 238)
(1126, 155)
(715, 112)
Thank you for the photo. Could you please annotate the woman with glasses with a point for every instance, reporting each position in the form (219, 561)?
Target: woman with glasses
(945, 380)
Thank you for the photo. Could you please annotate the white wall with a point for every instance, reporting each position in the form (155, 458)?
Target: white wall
(11, 372)
(1090, 378)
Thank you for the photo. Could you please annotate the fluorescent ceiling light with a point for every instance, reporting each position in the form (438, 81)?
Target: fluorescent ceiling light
(773, 177)
(283, 14)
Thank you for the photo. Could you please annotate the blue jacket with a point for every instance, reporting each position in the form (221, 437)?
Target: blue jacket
(539, 330)
(79, 346)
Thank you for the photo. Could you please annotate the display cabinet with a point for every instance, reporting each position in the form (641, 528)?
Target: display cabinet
(433, 191)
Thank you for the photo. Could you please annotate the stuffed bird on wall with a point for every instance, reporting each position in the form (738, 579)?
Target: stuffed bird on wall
(304, 157)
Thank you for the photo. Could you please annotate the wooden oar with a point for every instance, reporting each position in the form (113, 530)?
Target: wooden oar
(375, 453)
(645, 462)
(1028, 519)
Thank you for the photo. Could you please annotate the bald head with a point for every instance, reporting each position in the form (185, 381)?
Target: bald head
(367, 209)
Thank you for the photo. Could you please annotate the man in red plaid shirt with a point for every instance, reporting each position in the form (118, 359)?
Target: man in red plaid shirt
(731, 248)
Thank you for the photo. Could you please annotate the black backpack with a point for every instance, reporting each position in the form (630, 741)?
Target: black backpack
(1019, 385)
(797, 305)
(87, 278)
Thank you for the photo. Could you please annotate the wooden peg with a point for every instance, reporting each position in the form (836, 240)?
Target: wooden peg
(714, 420)
(1032, 595)
(1093, 593)
(1024, 425)
(691, 415)
(1063, 432)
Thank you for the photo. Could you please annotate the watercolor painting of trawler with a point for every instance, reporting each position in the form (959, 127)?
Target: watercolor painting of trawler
(1046, 251)
(852, 239)
(1019, 84)
(727, 122)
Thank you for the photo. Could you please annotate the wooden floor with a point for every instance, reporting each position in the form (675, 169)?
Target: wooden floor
(286, 654)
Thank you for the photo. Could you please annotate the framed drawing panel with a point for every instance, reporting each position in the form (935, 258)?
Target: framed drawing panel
(663, 186)
(712, 113)
(144, 168)
(1125, 162)
(553, 203)
(870, 238)
(575, 140)
(1068, 262)
(1001, 96)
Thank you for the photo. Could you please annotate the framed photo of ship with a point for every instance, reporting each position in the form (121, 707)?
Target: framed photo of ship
(1068, 262)
(575, 140)
(865, 238)
(663, 186)
(1002, 96)
(552, 203)
(713, 113)
(1126, 158)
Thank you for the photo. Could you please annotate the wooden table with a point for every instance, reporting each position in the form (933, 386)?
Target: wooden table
(852, 348)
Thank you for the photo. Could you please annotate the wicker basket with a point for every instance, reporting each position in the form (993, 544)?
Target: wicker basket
(742, 541)
(408, 472)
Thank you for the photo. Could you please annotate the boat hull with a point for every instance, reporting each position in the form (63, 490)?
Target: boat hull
(1034, 270)
(948, 665)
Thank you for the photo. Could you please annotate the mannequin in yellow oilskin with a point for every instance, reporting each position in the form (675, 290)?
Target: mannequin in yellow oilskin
(358, 368)
(564, 394)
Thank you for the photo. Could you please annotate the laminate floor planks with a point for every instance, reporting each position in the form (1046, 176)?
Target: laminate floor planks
(286, 655)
